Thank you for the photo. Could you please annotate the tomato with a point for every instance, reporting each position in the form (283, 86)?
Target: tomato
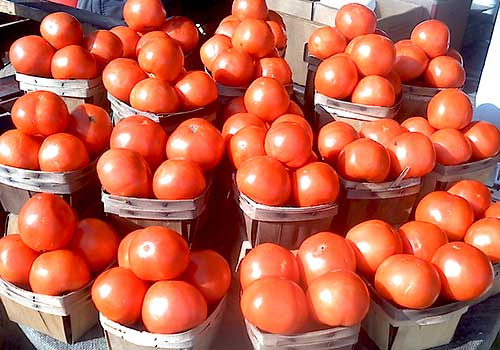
(384, 131)
(123, 172)
(211, 49)
(227, 28)
(395, 80)
(58, 272)
(196, 89)
(289, 143)
(92, 125)
(40, 113)
(155, 96)
(412, 150)
(332, 139)
(238, 121)
(144, 15)
(62, 152)
(197, 140)
(19, 150)
(234, 106)
(474, 192)
(253, 36)
(120, 76)
(338, 298)
(493, 211)
(325, 42)
(451, 213)
(324, 252)
(403, 42)
(374, 55)
(408, 281)
(411, 62)
(456, 55)
(484, 234)
(422, 239)
(374, 90)
(276, 17)
(452, 147)
(123, 249)
(315, 184)
(243, 9)
(294, 108)
(161, 58)
(336, 77)
(350, 45)
(173, 307)
(118, 294)
(247, 143)
(297, 119)
(466, 272)
(229, 18)
(61, 29)
(149, 36)
(418, 124)
(267, 99)
(31, 55)
(433, 36)
(73, 62)
(364, 160)
(129, 39)
(104, 45)
(233, 68)
(178, 179)
(444, 72)
(271, 296)
(264, 180)
(279, 34)
(484, 139)
(16, 259)
(274, 67)
(183, 31)
(354, 20)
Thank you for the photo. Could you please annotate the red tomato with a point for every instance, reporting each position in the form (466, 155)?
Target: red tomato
(276, 17)
(412, 150)
(484, 234)
(73, 62)
(271, 296)
(452, 147)
(324, 252)
(123, 249)
(395, 80)
(120, 76)
(338, 298)
(332, 139)
(247, 143)
(350, 45)
(289, 143)
(31, 55)
(238, 121)
(484, 139)
(16, 259)
(118, 294)
(243, 9)
(418, 124)
(279, 34)
(19, 150)
(58, 272)
(466, 272)
(196, 89)
(354, 20)
(451, 213)
(62, 152)
(411, 62)
(274, 67)
(123, 172)
(104, 45)
(267, 99)
(315, 184)
(155, 96)
(178, 179)
(234, 106)
(374, 55)
(456, 55)
(493, 211)
(474, 192)
(227, 28)
(336, 77)
(325, 42)
(433, 36)
(211, 49)
(297, 119)
(264, 180)
(183, 31)
(294, 108)
(364, 160)
(444, 72)
(161, 58)
(146, 38)
(374, 90)
(422, 239)
(144, 15)
(233, 68)
(61, 29)
(173, 307)
(408, 281)
(384, 131)
(129, 39)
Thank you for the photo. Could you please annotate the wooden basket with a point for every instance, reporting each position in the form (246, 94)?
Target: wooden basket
(415, 100)
(120, 337)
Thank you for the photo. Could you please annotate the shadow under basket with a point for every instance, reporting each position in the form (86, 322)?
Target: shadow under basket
(119, 337)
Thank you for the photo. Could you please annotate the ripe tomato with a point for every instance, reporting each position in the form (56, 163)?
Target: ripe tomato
(350, 45)
(338, 298)
(173, 307)
(433, 36)
(332, 139)
(408, 281)
(271, 296)
(324, 252)
(31, 55)
(444, 72)
(144, 15)
(178, 179)
(325, 42)
(297, 119)
(227, 28)
(183, 31)
(16, 259)
(161, 58)
(19, 150)
(474, 192)
(61, 29)
(92, 125)
(234, 106)
(274, 67)
(40, 113)
(129, 39)
(314, 184)
(118, 294)
(58, 272)
(276, 17)
(395, 80)
(411, 62)
(253, 36)
(456, 55)
(384, 131)
(120, 76)
(422, 239)
(247, 143)
(289, 143)
(294, 108)
(493, 211)
(146, 38)
(451, 213)
(374, 55)
(155, 96)
(62, 152)
(210, 273)
(452, 147)
(354, 20)
(243, 9)
(238, 121)
(279, 34)
(418, 124)
(364, 160)
(233, 68)
(264, 180)
(336, 77)
(466, 272)
(373, 241)
(484, 234)
(267, 99)
(211, 49)
(374, 90)
(104, 45)
(123, 172)
(484, 139)
(412, 150)
(403, 42)
(197, 140)
(73, 62)
(123, 249)
(196, 89)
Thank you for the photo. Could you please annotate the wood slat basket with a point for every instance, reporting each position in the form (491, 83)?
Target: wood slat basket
(415, 100)
(119, 337)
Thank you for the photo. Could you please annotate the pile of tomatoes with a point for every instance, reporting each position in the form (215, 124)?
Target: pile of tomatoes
(161, 283)
(48, 138)
(54, 253)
